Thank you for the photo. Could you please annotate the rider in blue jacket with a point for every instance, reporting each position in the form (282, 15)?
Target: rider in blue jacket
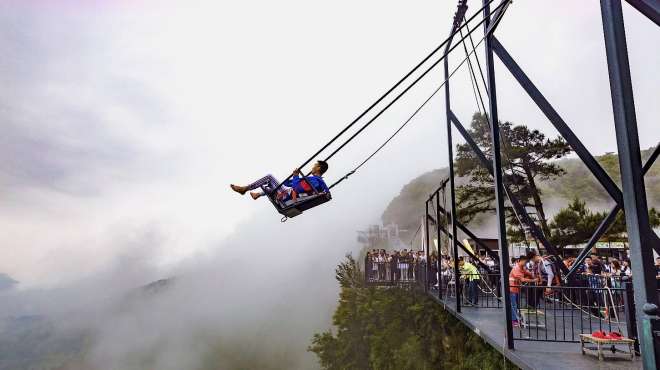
(290, 188)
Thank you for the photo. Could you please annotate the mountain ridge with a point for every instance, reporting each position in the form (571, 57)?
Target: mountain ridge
(405, 209)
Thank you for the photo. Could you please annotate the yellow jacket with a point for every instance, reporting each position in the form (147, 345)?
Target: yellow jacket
(470, 271)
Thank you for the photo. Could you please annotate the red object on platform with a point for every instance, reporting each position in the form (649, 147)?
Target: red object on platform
(614, 335)
(599, 334)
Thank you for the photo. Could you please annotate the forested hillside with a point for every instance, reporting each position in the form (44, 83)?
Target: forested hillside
(579, 181)
(407, 208)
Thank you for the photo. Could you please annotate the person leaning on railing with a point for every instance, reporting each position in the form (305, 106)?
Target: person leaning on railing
(471, 275)
(549, 274)
(517, 276)
(593, 272)
(533, 292)
(615, 274)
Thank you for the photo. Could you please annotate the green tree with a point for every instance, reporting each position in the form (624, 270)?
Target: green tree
(527, 158)
(654, 218)
(574, 224)
(618, 231)
(396, 328)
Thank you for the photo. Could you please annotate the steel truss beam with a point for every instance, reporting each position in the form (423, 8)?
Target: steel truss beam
(572, 139)
(497, 177)
(650, 8)
(450, 152)
(608, 220)
(472, 236)
(463, 228)
(561, 126)
(636, 209)
(460, 245)
(632, 199)
(504, 252)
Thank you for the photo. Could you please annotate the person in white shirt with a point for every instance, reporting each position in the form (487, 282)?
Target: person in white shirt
(626, 268)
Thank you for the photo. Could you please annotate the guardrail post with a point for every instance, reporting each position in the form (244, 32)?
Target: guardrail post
(629, 307)
(641, 237)
(450, 158)
(438, 259)
(427, 247)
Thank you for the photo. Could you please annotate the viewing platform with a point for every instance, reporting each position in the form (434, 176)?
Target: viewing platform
(551, 319)
(540, 326)
(533, 353)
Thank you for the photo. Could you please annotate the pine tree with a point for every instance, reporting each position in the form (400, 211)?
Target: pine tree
(527, 157)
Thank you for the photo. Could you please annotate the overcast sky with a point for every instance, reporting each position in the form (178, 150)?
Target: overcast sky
(123, 122)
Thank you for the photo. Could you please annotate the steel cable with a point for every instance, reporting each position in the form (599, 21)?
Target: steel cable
(387, 93)
(416, 111)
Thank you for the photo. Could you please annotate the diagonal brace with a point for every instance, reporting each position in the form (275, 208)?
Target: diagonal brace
(514, 201)
(607, 222)
(460, 245)
(472, 236)
(650, 8)
(561, 126)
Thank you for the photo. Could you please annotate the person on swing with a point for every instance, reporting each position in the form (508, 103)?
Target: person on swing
(290, 188)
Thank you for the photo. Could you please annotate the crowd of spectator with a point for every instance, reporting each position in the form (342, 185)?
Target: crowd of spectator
(532, 275)
(403, 265)
(598, 275)
(533, 279)
(543, 268)
(605, 267)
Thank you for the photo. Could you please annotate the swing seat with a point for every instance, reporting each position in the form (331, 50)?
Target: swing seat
(294, 207)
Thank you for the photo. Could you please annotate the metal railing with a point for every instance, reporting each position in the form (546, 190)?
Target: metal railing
(549, 314)
(542, 313)
(475, 290)
(561, 314)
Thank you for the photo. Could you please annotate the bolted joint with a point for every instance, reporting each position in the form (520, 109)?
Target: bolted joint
(460, 13)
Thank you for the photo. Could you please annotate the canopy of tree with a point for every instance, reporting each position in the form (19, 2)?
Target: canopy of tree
(526, 159)
(396, 328)
(576, 223)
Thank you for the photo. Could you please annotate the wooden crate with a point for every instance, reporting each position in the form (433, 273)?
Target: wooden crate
(602, 343)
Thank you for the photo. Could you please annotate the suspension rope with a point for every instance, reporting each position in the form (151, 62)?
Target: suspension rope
(483, 79)
(502, 5)
(504, 141)
(405, 123)
(415, 235)
(473, 80)
(387, 93)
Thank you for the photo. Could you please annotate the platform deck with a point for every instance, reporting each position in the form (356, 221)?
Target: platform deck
(488, 323)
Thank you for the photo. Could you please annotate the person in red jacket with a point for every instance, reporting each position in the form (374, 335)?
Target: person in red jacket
(517, 276)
